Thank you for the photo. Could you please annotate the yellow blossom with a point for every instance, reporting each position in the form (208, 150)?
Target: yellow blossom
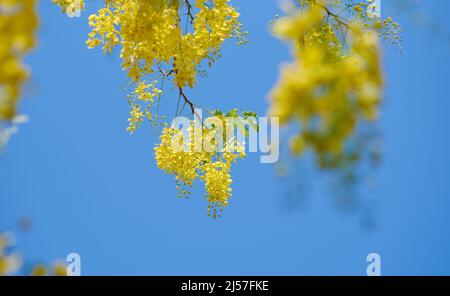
(189, 164)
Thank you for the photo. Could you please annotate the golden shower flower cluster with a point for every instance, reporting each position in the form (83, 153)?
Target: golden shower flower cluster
(18, 24)
(173, 40)
(335, 82)
(141, 101)
(176, 35)
(197, 156)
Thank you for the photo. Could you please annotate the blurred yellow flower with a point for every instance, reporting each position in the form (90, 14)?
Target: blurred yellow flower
(334, 83)
(18, 24)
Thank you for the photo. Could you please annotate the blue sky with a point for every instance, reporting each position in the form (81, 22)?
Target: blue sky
(91, 188)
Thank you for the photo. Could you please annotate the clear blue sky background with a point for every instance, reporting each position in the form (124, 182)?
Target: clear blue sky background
(91, 188)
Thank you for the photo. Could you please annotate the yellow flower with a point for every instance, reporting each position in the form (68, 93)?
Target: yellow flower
(136, 118)
(190, 164)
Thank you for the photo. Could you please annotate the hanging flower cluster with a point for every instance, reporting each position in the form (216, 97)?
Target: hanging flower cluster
(335, 82)
(18, 24)
(191, 156)
(141, 101)
(174, 40)
(175, 35)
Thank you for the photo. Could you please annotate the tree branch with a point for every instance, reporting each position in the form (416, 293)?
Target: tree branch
(166, 74)
(187, 101)
(189, 8)
(182, 94)
(336, 17)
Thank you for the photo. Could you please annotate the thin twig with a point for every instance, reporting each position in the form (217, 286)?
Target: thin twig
(166, 74)
(189, 9)
(189, 103)
(338, 18)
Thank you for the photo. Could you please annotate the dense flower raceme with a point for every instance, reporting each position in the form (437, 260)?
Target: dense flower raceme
(192, 156)
(18, 24)
(335, 82)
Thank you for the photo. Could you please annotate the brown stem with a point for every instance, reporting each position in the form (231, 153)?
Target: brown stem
(166, 74)
(187, 101)
(189, 8)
